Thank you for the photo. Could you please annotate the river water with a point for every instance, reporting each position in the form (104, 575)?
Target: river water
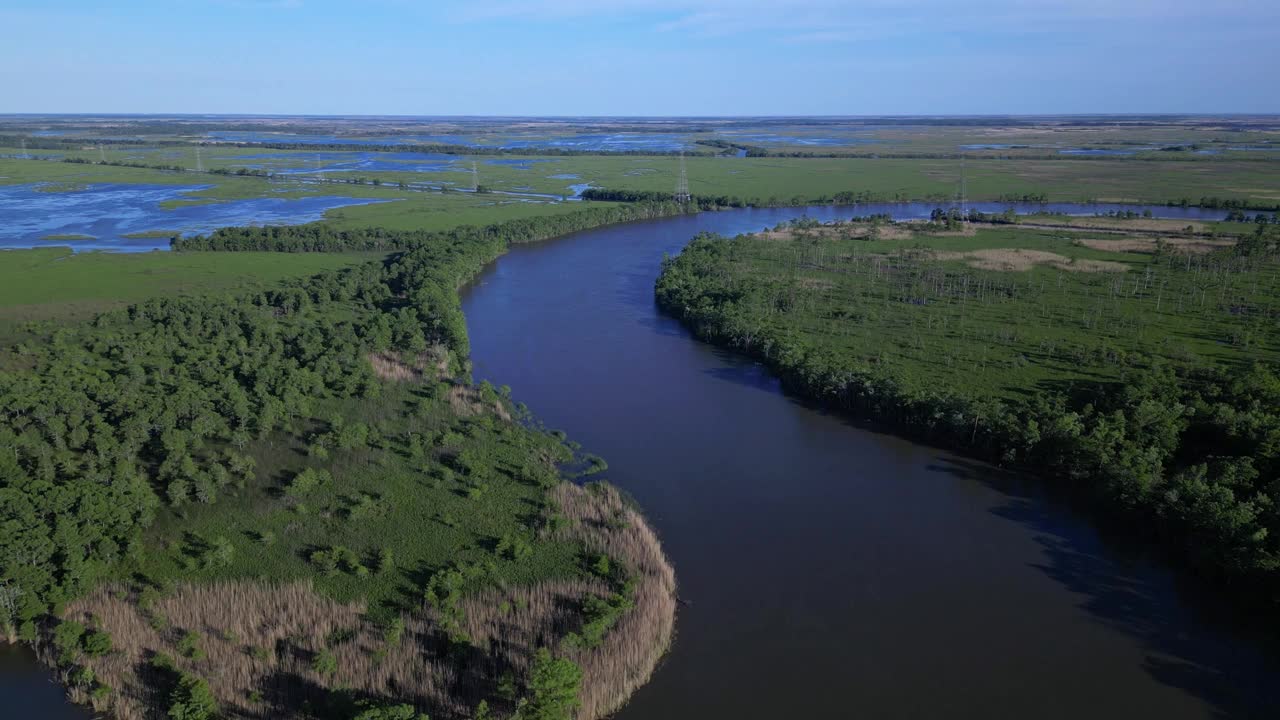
(828, 571)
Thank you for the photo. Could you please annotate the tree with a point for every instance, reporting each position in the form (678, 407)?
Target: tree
(192, 699)
(553, 689)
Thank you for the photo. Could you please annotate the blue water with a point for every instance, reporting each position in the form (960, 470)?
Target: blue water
(785, 139)
(1097, 152)
(604, 141)
(580, 141)
(106, 212)
(326, 162)
(522, 163)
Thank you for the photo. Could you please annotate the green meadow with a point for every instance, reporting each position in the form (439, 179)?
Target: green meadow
(56, 283)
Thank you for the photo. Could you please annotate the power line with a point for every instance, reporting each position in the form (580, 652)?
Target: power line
(682, 185)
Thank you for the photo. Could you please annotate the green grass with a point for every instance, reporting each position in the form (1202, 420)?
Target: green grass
(782, 179)
(55, 283)
(425, 513)
(940, 322)
(901, 179)
(432, 211)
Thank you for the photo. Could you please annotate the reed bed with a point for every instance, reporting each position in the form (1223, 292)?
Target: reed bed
(258, 642)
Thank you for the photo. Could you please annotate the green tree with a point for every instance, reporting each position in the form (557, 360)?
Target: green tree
(553, 689)
(192, 699)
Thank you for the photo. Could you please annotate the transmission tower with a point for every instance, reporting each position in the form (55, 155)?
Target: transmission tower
(199, 160)
(475, 177)
(102, 153)
(682, 185)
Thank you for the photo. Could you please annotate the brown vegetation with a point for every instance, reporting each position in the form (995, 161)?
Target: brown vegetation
(467, 400)
(630, 652)
(1196, 246)
(1018, 260)
(390, 366)
(258, 641)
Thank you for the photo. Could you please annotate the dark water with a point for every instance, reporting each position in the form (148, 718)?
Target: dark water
(828, 571)
(27, 690)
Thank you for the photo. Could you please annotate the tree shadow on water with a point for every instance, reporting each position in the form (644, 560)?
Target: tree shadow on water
(1223, 652)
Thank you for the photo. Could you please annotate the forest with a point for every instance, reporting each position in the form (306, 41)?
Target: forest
(1139, 373)
(319, 237)
(215, 506)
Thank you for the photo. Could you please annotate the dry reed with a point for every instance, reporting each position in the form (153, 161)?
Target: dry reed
(258, 640)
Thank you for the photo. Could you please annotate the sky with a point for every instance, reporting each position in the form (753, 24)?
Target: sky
(639, 57)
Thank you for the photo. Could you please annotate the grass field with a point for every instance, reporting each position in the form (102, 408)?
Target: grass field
(55, 283)
(1003, 310)
(780, 179)
(402, 499)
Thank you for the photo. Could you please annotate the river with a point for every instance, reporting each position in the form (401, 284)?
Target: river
(826, 570)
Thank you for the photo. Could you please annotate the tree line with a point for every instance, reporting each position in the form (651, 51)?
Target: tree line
(319, 237)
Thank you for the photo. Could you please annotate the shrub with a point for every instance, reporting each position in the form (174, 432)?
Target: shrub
(98, 643)
(324, 663)
(394, 631)
(257, 652)
(385, 560)
(189, 645)
(553, 689)
(66, 637)
(83, 676)
(192, 699)
(308, 480)
(325, 561)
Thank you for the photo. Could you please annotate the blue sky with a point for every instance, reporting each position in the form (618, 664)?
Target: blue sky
(639, 57)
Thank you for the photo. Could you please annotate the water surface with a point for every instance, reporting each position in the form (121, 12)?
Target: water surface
(107, 212)
(827, 571)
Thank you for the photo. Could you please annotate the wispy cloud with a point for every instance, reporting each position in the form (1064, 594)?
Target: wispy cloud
(840, 20)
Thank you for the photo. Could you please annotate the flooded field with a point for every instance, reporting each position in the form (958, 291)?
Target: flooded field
(111, 216)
